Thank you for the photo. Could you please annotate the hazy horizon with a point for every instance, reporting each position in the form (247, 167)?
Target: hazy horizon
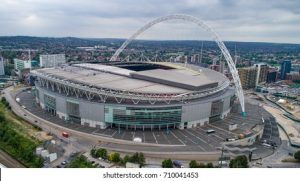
(146, 39)
(275, 21)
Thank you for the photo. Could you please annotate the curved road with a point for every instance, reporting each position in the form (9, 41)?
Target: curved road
(8, 161)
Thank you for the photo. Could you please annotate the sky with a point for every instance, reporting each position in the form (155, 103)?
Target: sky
(234, 20)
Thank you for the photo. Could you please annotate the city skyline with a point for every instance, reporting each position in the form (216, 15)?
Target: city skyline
(234, 21)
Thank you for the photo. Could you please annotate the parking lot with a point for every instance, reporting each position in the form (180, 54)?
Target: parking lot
(271, 132)
(196, 137)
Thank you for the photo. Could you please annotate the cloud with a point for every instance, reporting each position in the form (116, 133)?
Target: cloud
(243, 20)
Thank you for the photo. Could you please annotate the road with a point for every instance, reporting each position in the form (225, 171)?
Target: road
(275, 160)
(8, 161)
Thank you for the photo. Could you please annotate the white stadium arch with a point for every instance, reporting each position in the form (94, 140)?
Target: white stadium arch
(215, 37)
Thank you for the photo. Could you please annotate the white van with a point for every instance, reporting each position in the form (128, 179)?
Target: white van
(209, 131)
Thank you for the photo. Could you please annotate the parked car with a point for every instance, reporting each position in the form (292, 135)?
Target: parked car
(177, 164)
(209, 131)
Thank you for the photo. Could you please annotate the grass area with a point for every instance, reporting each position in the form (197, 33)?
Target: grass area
(16, 138)
(22, 126)
(81, 162)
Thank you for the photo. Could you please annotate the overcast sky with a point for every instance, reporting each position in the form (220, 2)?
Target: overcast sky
(233, 20)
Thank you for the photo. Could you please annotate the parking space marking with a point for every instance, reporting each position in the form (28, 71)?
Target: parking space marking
(166, 138)
(177, 138)
(187, 138)
(154, 137)
(144, 137)
(114, 133)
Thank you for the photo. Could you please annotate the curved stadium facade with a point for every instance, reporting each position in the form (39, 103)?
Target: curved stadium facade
(134, 95)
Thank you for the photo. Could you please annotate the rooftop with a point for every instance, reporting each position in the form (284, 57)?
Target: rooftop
(174, 80)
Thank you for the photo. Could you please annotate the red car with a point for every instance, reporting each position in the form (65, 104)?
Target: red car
(65, 134)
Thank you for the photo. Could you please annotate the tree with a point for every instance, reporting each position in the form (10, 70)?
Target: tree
(4, 102)
(126, 159)
(193, 164)
(138, 158)
(2, 117)
(3, 99)
(239, 162)
(297, 155)
(141, 159)
(99, 153)
(209, 165)
(80, 162)
(135, 158)
(114, 157)
(93, 153)
(102, 153)
(167, 163)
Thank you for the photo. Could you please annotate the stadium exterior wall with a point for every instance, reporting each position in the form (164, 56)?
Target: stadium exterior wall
(94, 114)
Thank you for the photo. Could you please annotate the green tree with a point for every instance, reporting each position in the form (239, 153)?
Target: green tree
(2, 117)
(16, 144)
(141, 159)
(193, 164)
(135, 158)
(80, 162)
(209, 165)
(167, 163)
(99, 153)
(126, 159)
(4, 102)
(93, 152)
(297, 155)
(115, 157)
(239, 162)
(102, 153)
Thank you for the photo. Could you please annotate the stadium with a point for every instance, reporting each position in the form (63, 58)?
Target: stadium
(134, 95)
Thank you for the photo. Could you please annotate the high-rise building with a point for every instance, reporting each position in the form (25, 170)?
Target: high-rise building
(22, 64)
(285, 68)
(52, 60)
(272, 75)
(2, 66)
(248, 77)
(262, 71)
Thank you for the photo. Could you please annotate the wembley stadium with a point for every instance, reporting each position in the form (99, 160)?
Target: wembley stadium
(138, 95)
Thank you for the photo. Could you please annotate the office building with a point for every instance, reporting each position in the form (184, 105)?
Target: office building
(52, 60)
(285, 68)
(272, 75)
(262, 71)
(248, 77)
(2, 66)
(22, 64)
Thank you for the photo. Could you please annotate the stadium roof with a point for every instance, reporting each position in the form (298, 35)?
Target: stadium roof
(148, 81)
(177, 78)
